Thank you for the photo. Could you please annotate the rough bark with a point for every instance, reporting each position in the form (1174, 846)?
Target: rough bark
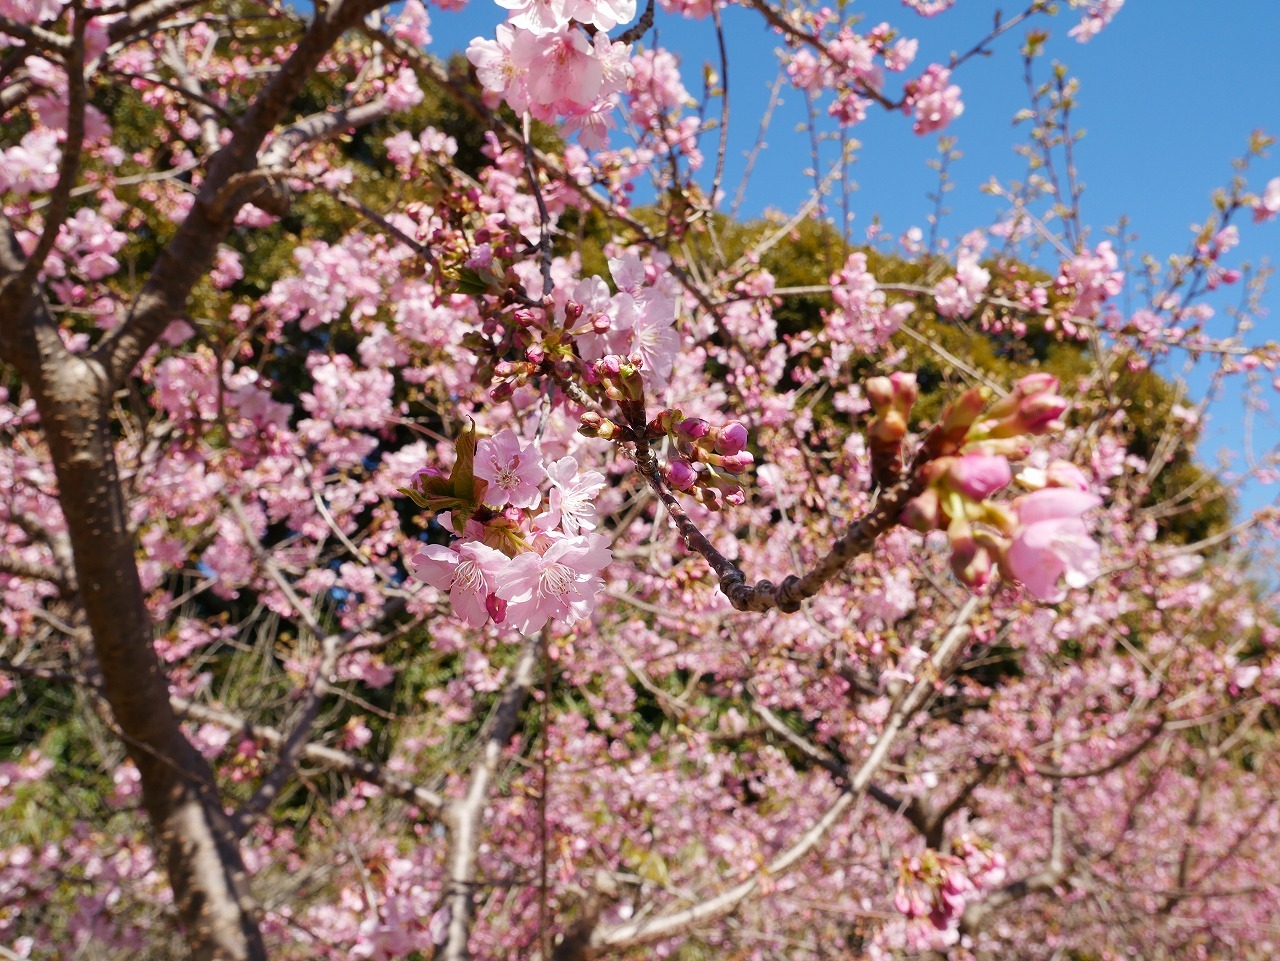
(73, 395)
(208, 876)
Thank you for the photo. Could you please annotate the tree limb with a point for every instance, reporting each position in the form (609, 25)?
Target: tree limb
(672, 924)
(464, 814)
(188, 255)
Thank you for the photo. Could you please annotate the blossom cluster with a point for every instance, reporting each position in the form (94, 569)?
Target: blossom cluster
(1086, 281)
(852, 66)
(934, 887)
(1097, 14)
(958, 296)
(541, 62)
(705, 460)
(863, 320)
(933, 99)
(520, 558)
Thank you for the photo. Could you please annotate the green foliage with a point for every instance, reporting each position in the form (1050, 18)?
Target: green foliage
(1189, 502)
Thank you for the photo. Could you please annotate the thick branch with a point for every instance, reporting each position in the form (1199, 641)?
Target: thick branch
(210, 884)
(140, 17)
(35, 36)
(187, 257)
(318, 127)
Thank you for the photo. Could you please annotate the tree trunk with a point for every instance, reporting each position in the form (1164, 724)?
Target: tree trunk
(210, 884)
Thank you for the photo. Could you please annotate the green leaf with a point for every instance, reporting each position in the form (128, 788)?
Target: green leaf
(464, 467)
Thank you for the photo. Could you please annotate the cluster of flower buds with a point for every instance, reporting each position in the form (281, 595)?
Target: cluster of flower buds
(1033, 409)
(1035, 539)
(533, 335)
(705, 460)
(891, 399)
(619, 377)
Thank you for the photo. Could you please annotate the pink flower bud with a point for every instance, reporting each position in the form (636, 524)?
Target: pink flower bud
(1039, 414)
(731, 438)
(978, 476)
(905, 391)
(970, 561)
(737, 463)
(1028, 386)
(1063, 473)
(1039, 383)
(709, 497)
(879, 391)
(595, 425)
(888, 427)
(955, 882)
(902, 900)
(923, 513)
(961, 414)
(680, 475)
(695, 428)
(608, 366)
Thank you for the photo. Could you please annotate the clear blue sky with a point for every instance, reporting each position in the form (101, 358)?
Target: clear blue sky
(1169, 95)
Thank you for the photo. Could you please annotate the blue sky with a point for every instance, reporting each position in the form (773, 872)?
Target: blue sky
(1170, 93)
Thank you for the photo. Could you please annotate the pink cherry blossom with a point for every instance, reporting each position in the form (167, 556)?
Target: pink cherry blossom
(572, 500)
(1268, 205)
(1089, 279)
(863, 319)
(514, 472)
(604, 14)
(538, 17)
(562, 72)
(470, 575)
(929, 8)
(958, 296)
(1097, 14)
(591, 125)
(654, 336)
(561, 582)
(497, 70)
(934, 100)
(32, 164)
(31, 11)
(1052, 542)
(899, 56)
(414, 24)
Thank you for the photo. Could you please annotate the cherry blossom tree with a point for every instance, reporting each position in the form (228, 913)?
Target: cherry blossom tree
(416, 546)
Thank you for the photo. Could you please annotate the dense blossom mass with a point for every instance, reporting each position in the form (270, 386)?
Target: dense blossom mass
(434, 522)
